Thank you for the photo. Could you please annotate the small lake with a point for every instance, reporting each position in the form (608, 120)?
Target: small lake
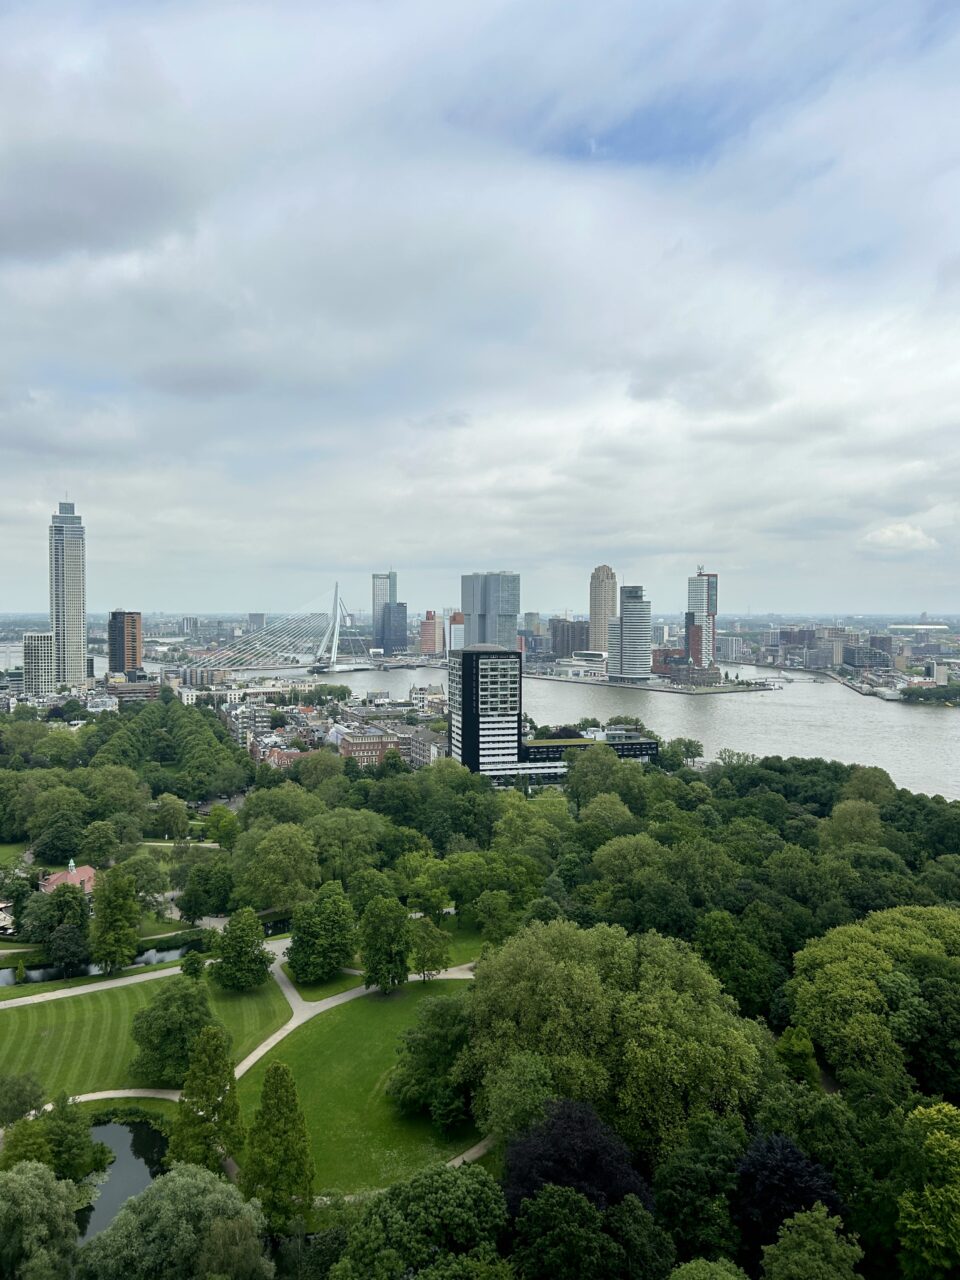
(138, 1151)
(52, 973)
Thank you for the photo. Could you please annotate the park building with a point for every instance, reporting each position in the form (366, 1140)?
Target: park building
(486, 722)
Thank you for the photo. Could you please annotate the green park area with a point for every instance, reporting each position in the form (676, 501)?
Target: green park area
(83, 1044)
(322, 990)
(10, 854)
(341, 1062)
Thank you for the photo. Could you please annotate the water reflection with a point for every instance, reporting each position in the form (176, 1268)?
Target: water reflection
(138, 1149)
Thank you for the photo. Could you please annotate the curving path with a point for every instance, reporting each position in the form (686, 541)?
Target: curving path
(301, 1011)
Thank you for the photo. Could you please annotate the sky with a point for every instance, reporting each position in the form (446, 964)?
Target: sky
(291, 292)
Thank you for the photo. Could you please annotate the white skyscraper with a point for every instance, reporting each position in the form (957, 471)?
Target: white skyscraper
(68, 597)
(629, 638)
(603, 604)
(701, 618)
(38, 670)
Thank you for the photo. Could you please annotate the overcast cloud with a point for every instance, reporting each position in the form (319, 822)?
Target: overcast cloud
(295, 291)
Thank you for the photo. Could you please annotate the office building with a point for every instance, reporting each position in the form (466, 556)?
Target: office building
(431, 634)
(68, 597)
(256, 621)
(393, 623)
(629, 638)
(484, 691)
(491, 607)
(39, 675)
(603, 605)
(384, 593)
(124, 641)
(701, 619)
(568, 637)
(730, 648)
(189, 626)
(486, 722)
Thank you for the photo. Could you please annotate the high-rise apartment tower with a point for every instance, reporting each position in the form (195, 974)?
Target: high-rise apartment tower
(38, 670)
(629, 649)
(124, 641)
(701, 619)
(484, 689)
(384, 593)
(68, 596)
(491, 606)
(603, 605)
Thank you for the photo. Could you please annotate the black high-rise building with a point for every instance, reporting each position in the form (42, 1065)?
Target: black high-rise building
(394, 628)
(485, 708)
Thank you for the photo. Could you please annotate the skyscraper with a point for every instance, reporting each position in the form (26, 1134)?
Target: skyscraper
(256, 621)
(484, 683)
(701, 619)
(68, 596)
(124, 641)
(431, 633)
(603, 605)
(38, 671)
(491, 606)
(384, 592)
(629, 649)
(394, 624)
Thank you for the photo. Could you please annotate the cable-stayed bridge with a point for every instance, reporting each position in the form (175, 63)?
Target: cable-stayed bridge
(325, 639)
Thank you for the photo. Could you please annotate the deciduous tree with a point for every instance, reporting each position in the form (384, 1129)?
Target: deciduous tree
(116, 913)
(166, 1028)
(38, 1228)
(324, 935)
(429, 948)
(384, 943)
(243, 961)
(811, 1246)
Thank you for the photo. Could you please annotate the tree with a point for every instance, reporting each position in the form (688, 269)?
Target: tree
(60, 923)
(494, 914)
(694, 1184)
(19, 1095)
(38, 1229)
(810, 1246)
(73, 1152)
(207, 1127)
(223, 826)
(25, 1140)
(425, 1078)
(116, 913)
(647, 1249)
(429, 948)
(701, 1269)
(170, 1229)
(172, 820)
(929, 1208)
(279, 870)
(571, 1147)
(99, 845)
(149, 879)
(324, 935)
(193, 965)
(775, 1180)
(244, 962)
(384, 943)
(278, 1167)
(441, 1216)
(166, 1028)
(795, 1051)
(560, 1236)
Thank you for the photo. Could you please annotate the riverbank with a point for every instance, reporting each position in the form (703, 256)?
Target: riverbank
(663, 686)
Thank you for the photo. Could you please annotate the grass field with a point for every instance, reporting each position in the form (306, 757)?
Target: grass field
(10, 854)
(152, 926)
(320, 990)
(465, 943)
(14, 993)
(83, 1044)
(341, 1061)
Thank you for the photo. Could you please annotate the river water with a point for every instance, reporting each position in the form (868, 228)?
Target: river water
(919, 746)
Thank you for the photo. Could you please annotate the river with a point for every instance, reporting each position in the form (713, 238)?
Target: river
(919, 746)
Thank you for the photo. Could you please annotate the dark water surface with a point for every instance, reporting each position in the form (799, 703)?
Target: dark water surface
(139, 1150)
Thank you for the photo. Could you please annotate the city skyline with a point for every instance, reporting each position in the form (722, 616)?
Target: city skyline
(652, 309)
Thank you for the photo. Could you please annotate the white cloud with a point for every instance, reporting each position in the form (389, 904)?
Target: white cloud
(898, 537)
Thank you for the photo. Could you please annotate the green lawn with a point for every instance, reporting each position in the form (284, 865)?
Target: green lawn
(62, 984)
(465, 942)
(341, 1060)
(152, 926)
(320, 990)
(10, 854)
(83, 1044)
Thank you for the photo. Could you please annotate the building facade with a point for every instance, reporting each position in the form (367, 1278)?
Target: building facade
(455, 630)
(124, 641)
(256, 621)
(384, 593)
(394, 625)
(68, 596)
(701, 618)
(39, 673)
(431, 634)
(484, 694)
(629, 636)
(490, 603)
(603, 606)
(568, 637)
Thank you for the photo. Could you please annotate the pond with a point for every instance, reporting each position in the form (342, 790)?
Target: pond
(138, 1151)
(53, 973)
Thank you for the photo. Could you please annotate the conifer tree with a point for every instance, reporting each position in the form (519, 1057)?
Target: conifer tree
(208, 1127)
(278, 1166)
(113, 937)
